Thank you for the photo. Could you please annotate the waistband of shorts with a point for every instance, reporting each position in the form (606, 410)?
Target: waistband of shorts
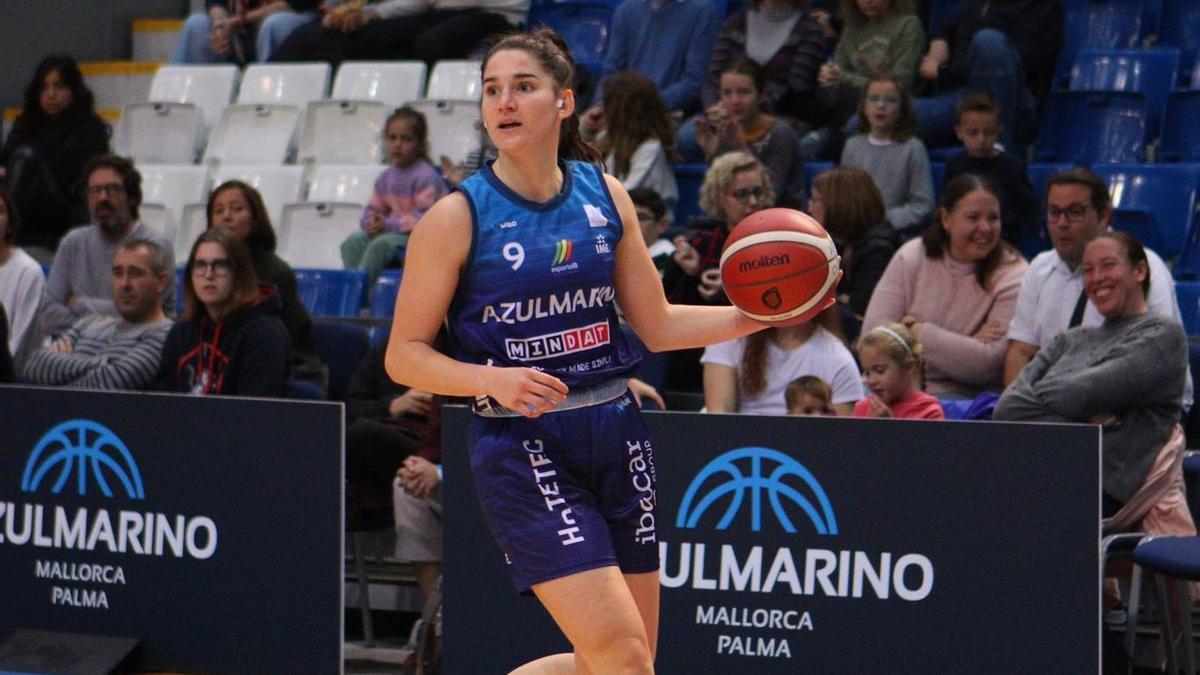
(576, 398)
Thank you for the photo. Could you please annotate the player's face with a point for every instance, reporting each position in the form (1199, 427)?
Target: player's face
(745, 195)
(886, 378)
(231, 211)
(1072, 221)
(882, 106)
(519, 101)
(212, 277)
(403, 147)
(740, 97)
(973, 226)
(1113, 284)
(136, 290)
(978, 132)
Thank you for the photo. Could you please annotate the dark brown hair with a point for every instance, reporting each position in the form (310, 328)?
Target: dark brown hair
(1081, 176)
(977, 101)
(14, 220)
(82, 99)
(245, 282)
(752, 375)
(807, 385)
(852, 16)
(751, 69)
(262, 235)
(937, 242)
(636, 113)
(420, 126)
(131, 180)
(1134, 252)
(853, 203)
(906, 118)
(552, 54)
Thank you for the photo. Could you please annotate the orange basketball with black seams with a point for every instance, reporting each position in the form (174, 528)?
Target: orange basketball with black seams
(779, 266)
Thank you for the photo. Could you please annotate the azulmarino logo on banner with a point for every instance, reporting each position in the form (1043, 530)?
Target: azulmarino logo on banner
(84, 460)
(751, 493)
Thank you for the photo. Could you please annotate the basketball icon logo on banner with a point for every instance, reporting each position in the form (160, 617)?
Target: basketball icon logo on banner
(82, 452)
(780, 267)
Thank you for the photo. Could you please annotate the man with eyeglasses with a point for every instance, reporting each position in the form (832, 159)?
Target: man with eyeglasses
(121, 352)
(1052, 298)
(79, 278)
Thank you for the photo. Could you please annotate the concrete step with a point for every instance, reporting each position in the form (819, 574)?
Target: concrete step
(154, 39)
(116, 83)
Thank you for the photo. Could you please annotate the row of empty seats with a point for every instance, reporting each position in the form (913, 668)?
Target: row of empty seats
(283, 110)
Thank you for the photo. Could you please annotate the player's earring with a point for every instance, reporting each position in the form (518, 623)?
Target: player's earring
(560, 104)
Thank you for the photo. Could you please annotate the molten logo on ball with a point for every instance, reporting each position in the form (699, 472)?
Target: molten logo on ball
(764, 262)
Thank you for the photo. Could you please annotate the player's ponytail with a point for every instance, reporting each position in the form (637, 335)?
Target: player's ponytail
(552, 54)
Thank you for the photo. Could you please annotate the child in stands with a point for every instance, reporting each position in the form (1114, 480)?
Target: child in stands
(809, 396)
(893, 365)
(653, 221)
(403, 193)
(886, 147)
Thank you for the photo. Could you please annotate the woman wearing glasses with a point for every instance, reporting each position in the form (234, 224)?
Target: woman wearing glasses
(232, 340)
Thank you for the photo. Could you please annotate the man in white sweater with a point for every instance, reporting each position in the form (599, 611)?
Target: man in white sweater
(79, 282)
(121, 352)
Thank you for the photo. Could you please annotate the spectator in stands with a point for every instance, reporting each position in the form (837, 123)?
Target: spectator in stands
(1053, 298)
(638, 143)
(893, 366)
(403, 193)
(232, 340)
(1127, 374)
(240, 31)
(737, 122)
(1004, 47)
(669, 42)
(979, 128)
(788, 42)
(115, 352)
(417, 503)
(809, 396)
(239, 208)
(7, 372)
(57, 132)
(21, 286)
(652, 218)
(81, 276)
(749, 375)
(955, 288)
(886, 147)
(735, 186)
(425, 30)
(846, 201)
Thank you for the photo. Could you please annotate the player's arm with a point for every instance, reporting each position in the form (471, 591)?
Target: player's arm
(1018, 354)
(663, 326)
(437, 252)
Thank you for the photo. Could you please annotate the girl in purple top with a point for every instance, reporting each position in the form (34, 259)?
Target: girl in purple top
(403, 193)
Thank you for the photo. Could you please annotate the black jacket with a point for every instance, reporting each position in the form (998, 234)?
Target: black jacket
(863, 263)
(1035, 28)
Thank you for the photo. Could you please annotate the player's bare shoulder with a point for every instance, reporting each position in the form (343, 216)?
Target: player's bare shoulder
(445, 227)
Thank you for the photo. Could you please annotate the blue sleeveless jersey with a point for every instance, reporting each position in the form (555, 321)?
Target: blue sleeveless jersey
(537, 289)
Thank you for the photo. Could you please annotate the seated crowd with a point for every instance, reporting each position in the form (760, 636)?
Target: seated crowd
(935, 305)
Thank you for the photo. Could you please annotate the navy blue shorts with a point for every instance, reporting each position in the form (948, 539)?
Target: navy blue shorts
(568, 492)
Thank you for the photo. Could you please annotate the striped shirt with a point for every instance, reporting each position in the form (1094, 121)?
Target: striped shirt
(107, 353)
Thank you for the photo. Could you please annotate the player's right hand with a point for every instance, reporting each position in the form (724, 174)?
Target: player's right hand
(527, 391)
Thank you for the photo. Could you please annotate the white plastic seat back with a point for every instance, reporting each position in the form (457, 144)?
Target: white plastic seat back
(343, 132)
(253, 134)
(210, 87)
(345, 184)
(393, 83)
(312, 233)
(157, 217)
(455, 128)
(284, 83)
(278, 185)
(455, 80)
(193, 222)
(171, 188)
(160, 133)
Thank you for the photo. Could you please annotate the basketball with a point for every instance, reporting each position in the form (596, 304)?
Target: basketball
(779, 266)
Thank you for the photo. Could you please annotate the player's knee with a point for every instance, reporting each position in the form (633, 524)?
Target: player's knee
(626, 655)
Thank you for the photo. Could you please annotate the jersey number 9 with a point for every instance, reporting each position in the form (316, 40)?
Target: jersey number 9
(515, 254)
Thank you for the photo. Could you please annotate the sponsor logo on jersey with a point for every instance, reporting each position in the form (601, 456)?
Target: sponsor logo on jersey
(508, 224)
(563, 251)
(594, 216)
(564, 342)
(566, 302)
(602, 244)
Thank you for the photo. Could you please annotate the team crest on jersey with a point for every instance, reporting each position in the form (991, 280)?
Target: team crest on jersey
(602, 244)
(594, 216)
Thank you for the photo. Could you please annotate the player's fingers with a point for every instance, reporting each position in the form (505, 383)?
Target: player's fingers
(549, 381)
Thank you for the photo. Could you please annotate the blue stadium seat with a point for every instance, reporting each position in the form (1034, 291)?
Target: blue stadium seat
(331, 292)
(688, 177)
(1187, 294)
(1181, 134)
(1152, 72)
(1098, 24)
(1180, 27)
(1153, 202)
(1039, 175)
(943, 154)
(342, 347)
(583, 24)
(812, 170)
(1089, 127)
(383, 301)
(180, 291)
(940, 10)
(938, 172)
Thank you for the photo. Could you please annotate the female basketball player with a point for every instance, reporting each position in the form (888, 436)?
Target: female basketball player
(525, 263)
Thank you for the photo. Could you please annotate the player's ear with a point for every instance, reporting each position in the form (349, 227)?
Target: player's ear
(566, 103)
